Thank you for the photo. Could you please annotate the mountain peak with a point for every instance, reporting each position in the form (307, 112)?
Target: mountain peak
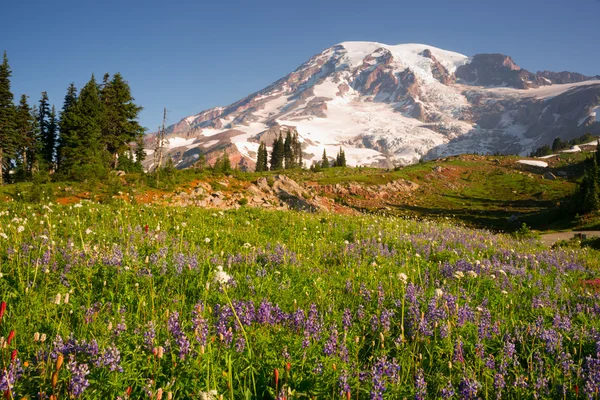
(394, 104)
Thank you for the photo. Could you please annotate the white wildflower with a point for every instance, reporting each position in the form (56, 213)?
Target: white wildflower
(43, 338)
(504, 292)
(88, 231)
(459, 275)
(221, 277)
(402, 277)
(57, 299)
(212, 395)
(439, 292)
(20, 229)
(66, 301)
(472, 274)
(36, 337)
(206, 240)
(3, 235)
(501, 271)
(247, 245)
(78, 205)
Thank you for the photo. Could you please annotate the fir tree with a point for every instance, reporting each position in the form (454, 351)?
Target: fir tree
(288, 151)
(340, 159)
(7, 111)
(140, 154)
(47, 138)
(324, 160)
(52, 138)
(261, 158)
(87, 157)
(277, 154)
(25, 132)
(120, 127)
(226, 163)
(589, 189)
(67, 126)
(297, 150)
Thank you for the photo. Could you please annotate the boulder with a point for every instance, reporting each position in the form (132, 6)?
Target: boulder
(550, 176)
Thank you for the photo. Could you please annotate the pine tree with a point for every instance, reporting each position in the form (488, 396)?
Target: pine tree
(52, 138)
(261, 158)
(67, 126)
(120, 127)
(590, 187)
(340, 159)
(324, 160)
(87, 157)
(288, 152)
(297, 150)
(140, 154)
(277, 154)
(7, 111)
(47, 137)
(226, 163)
(25, 132)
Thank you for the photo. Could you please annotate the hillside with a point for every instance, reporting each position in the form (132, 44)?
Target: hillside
(498, 192)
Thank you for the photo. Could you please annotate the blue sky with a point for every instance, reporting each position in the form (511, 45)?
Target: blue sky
(192, 55)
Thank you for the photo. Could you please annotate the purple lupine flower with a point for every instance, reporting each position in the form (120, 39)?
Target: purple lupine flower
(360, 312)
(499, 384)
(420, 385)
(121, 327)
(111, 358)
(78, 382)
(458, 355)
(330, 347)
(175, 329)
(343, 383)
(448, 391)
(386, 319)
(347, 319)
(468, 388)
(149, 336)
(240, 344)
(9, 376)
(592, 377)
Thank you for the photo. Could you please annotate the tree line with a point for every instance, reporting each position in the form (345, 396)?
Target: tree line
(286, 153)
(95, 132)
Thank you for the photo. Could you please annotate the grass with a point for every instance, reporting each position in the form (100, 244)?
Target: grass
(263, 304)
(493, 192)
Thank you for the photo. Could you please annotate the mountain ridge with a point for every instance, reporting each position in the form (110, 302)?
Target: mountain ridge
(388, 105)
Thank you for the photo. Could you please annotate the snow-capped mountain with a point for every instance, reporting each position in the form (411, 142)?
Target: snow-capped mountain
(388, 105)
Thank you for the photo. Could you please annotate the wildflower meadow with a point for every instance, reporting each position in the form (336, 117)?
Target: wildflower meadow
(131, 302)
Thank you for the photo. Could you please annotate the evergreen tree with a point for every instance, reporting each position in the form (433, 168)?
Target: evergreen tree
(140, 154)
(324, 160)
(277, 154)
(288, 151)
(25, 132)
(87, 157)
(120, 127)
(67, 126)
(47, 137)
(52, 139)
(261, 158)
(297, 150)
(7, 111)
(340, 159)
(558, 144)
(590, 188)
(226, 163)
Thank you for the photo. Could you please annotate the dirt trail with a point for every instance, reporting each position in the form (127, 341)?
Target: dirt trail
(551, 238)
